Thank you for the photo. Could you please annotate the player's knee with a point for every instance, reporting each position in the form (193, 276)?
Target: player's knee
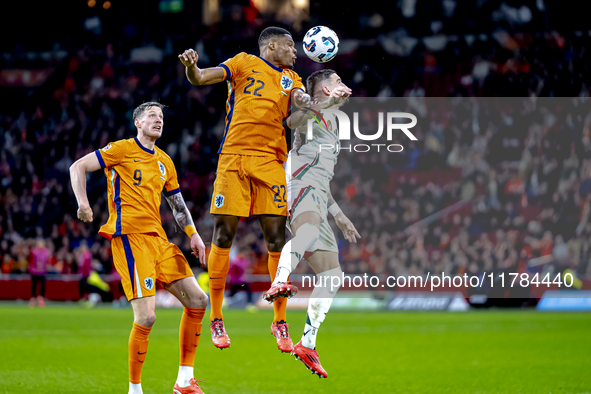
(146, 320)
(200, 300)
(223, 239)
(332, 280)
(276, 242)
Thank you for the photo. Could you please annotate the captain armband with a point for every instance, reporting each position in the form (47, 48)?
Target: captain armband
(190, 230)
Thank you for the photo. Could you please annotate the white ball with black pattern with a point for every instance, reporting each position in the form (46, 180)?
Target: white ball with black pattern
(321, 44)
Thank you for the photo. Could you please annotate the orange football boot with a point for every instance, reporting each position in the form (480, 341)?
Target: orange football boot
(310, 359)
(219, 337)
(281, 333)
(280, 289)
(193, 388)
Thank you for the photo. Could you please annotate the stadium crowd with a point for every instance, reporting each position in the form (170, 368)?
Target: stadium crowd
(520, 174)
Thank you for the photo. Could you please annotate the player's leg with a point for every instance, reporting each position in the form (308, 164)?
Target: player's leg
(274, 230)
(144, 316)
(218, 265)
(270, 205)
(305, 213)
(41, 296)
(134, 259)
(174, 271)
(231, 200)
(306, 229)
(326, 266)
(34, 281)
(194, 300)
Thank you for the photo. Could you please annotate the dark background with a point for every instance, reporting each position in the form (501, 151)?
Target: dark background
(437, 49)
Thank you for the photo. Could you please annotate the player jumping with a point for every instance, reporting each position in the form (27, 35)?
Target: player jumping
(138, 173)
(309, 172)
(250, 174)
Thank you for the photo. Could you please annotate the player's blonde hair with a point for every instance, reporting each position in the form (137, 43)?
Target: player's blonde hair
(137, 113)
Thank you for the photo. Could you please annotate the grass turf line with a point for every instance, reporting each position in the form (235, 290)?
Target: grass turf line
(70, 350)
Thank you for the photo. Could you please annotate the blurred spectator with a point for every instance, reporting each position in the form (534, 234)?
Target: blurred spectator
(237, 275)
(39, 260)
(518, 162)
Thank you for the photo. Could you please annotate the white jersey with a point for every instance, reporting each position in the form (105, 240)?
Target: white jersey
(313, 163)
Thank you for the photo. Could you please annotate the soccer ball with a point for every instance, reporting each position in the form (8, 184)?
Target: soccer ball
(321, 44)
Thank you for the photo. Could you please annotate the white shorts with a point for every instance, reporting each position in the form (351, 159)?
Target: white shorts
(301, 197)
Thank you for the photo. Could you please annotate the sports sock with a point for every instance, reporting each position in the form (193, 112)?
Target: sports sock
(294, 250)
(138, 347)
(184, 377)
(280, 305)
(189, 334)
(219, 264)
(319, 304)
(135, 388)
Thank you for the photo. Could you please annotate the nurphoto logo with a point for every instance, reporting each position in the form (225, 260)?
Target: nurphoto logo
(345, 130)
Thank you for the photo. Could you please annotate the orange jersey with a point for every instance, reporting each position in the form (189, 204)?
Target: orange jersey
(259, 96)
(136, 178)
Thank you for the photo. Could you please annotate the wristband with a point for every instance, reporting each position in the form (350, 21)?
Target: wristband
(334, 209)
(190, 230)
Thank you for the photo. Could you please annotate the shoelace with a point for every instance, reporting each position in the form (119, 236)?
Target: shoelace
(283, 329)
(218, 328)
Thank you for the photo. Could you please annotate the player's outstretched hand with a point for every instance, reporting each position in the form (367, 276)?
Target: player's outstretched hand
(189, 58)
(347, 227)
(198, 249)
(301, 99)
(85, 214)
(340, 94)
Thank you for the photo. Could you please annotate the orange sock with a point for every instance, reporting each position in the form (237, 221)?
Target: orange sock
(219, 264)
(189, 334)
(279, 306)
(138, 347)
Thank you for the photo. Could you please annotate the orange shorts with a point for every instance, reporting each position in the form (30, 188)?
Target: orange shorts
(142, 259)
(249, 185)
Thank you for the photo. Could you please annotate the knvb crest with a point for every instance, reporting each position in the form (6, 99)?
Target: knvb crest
(219, 200)
(149, 283)
(162, 169)
(286, 82)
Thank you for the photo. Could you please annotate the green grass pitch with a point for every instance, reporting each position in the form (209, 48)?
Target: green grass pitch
(69, 350)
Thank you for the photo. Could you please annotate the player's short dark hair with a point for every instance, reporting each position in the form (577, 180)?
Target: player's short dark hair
(316, 77)
(271, 32)
(138, 112)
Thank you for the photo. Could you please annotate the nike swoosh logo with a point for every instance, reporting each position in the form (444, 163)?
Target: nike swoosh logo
(280, 206)
(197, 335)
(306, 333)
(221, 277)
(256, 72)
(142, 353)
(136, 160)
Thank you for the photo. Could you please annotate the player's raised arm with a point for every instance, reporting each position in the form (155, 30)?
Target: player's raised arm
(300, 98)
(78, 170)
(197, 76)
(185, 221)
(342, 221)
(299, 118)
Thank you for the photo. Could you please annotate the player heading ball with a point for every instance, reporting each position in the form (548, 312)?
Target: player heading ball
(250, 176)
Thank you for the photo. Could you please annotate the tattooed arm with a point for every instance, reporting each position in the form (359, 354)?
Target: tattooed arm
(181, 213)
(183, 218)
